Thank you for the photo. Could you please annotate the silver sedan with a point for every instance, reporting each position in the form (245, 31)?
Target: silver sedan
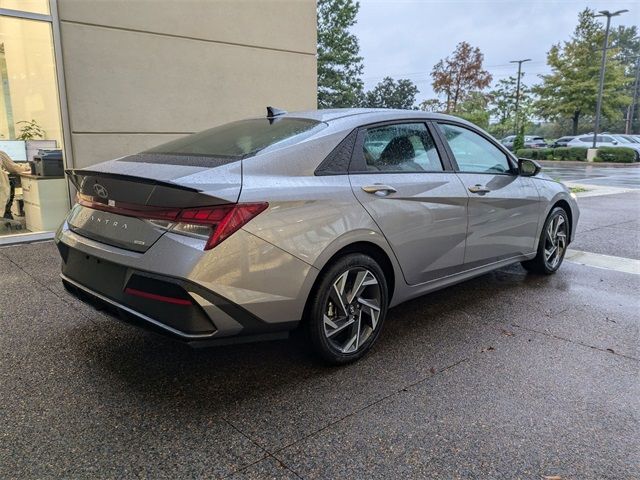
(321, 220)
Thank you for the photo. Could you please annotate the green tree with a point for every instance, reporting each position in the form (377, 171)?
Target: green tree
(392, 94)
(503, 105)
(461, 74)
(626, 43)
(570, 90)
(474, 109)
(339, 63)
(432, 105)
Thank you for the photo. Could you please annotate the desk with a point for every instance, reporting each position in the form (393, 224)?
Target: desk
(46, 201)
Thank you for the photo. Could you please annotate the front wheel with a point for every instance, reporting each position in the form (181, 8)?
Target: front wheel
(347, 309)
(552, 245)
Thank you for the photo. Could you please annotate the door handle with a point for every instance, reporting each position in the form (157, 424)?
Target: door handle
(379, 189)
(479, 189)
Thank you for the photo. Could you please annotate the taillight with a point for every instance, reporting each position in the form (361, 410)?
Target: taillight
(213, 223)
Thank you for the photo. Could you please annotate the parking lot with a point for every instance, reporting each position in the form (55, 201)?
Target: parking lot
(510, 375)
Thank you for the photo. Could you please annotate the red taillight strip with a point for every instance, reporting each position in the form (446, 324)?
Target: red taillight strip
(224, 220)
(153, 296)
(150, 213)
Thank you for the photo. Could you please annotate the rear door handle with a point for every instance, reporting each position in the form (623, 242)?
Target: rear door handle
(479, 189)
(379, 189)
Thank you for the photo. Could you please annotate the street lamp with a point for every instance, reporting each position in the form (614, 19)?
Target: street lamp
(608, 14)
(519, 62)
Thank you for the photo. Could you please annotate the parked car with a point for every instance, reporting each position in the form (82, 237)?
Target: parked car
(530, 141)
(605, 140)
(251, 229)
(562, 142)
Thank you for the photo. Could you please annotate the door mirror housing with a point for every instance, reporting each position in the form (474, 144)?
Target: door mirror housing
(615, 142)
(528, 167)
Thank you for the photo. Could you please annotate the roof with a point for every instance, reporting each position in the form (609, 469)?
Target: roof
(360, 116)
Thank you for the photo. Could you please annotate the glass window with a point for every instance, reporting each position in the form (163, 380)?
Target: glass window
(29, 122)
(474, 153)
(241, 139)
(400, 148)
(28, 86)
(32, 6)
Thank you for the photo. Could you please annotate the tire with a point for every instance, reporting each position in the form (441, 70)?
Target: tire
(554, 235)
(343, 326)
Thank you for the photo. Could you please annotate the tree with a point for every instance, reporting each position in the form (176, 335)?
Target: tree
(570, 90)
(503, 105)
(392, 94)
(474, 109)
(459, 75)
(339, 63)
(626, 42)
(432, 105)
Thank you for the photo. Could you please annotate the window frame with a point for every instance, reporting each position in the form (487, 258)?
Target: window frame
(511, 159)
(358, 164)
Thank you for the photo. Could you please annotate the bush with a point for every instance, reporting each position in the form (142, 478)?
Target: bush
(561, 153)
(577, 154)
(525, 153)
(616, 155)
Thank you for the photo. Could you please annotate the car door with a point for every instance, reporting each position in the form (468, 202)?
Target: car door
(504, 207)
(411, 192)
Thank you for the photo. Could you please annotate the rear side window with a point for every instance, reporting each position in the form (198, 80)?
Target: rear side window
(241, 139)
(404, 147)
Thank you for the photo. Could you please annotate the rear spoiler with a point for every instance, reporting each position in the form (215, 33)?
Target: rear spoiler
(116, 188)
(73, 174)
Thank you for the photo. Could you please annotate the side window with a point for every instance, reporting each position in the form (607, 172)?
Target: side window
(404, 147)
(474, 153)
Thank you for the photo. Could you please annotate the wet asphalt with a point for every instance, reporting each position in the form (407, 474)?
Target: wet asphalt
(621, 176)
(510, 375)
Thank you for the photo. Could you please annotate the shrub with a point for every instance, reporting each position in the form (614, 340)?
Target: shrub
(616, 155)
(561, 153)
(525, 153)
(577, 154)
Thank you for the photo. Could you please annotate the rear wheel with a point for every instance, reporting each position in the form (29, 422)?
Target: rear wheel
(552, 245)
(347, 309)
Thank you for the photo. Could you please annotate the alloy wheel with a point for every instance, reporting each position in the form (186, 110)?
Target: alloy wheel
(353, 309)
(555, 241)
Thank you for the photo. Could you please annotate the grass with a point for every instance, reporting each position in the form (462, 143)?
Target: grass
(578, 189)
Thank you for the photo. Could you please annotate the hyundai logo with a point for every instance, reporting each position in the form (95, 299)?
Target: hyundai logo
(101, 190)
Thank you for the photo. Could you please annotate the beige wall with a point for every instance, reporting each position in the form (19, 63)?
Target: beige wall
(139, 73)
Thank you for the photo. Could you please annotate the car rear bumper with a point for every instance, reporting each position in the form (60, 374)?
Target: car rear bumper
(179, 290)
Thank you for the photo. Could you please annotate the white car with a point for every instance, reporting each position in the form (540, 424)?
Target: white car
(605, 140)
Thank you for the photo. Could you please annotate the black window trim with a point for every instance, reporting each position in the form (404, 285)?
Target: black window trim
(357, 166)
(511, 160)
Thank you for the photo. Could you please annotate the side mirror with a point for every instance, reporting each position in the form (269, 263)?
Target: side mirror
(528, 168)
(615, 142)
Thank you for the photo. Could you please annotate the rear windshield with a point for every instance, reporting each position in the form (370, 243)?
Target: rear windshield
(242, 139)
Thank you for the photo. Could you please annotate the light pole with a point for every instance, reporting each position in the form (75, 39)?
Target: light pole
(608, 14)
(519, 62)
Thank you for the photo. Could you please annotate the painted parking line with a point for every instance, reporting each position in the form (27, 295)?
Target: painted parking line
(619, 264)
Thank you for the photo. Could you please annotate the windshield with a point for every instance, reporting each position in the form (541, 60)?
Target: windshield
(242, 139)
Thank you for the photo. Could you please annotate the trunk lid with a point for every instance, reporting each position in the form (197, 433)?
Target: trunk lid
(133, 184)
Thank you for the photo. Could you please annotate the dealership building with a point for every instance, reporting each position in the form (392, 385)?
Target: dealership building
(91, 80)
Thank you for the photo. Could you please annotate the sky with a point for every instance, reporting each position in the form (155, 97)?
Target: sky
(405, 38)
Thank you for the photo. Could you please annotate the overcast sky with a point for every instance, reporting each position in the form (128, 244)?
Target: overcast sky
(405, 38)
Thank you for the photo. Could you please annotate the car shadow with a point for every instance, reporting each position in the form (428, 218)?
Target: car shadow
(156, 369)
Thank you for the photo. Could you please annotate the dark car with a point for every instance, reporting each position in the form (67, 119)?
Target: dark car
(562, 142)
